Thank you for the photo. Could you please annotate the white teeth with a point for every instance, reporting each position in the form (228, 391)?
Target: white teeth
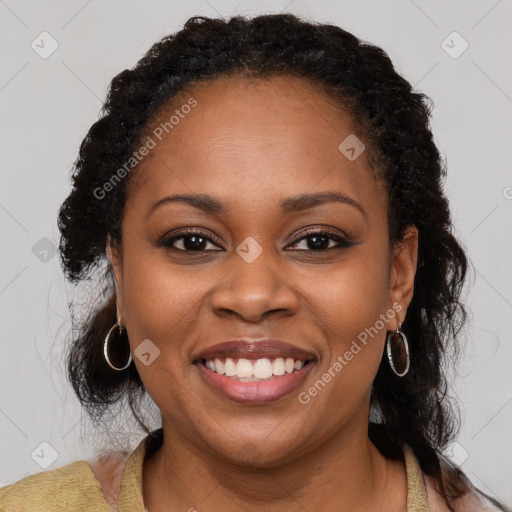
(219, 366)
(230, 367)
(248, 370)
(244, 368)
(278, 366)
(262, 368)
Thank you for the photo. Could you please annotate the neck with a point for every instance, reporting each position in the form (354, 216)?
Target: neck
(346, 470)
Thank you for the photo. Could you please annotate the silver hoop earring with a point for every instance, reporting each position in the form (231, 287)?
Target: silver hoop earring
(106, 344)
(398, 351)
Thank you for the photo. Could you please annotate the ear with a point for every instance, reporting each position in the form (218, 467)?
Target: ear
(115, 259)
(403, 271)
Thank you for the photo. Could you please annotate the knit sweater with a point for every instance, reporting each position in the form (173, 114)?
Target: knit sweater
(77, 487)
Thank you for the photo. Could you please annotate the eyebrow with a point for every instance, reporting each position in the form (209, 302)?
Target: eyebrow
(209, 204)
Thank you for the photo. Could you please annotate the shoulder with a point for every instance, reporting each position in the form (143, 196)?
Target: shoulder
(75, 486)
(108, 470)
(455, 483)
(471, 501)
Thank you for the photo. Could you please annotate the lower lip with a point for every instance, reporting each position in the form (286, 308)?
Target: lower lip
(255, 392)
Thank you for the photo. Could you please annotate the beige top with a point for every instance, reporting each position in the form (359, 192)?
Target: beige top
(75, 487)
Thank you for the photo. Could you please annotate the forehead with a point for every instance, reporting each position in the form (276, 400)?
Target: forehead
(246, 139)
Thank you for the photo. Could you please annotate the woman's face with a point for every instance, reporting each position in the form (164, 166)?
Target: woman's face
(252, 272)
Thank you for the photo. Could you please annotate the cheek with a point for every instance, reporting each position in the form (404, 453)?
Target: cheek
(348, 304)
(351, 306)
(161, 302)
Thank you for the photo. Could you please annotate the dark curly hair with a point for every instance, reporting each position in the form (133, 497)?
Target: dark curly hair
(393, 122)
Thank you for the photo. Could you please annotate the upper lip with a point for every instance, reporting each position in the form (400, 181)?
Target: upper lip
(255, 349)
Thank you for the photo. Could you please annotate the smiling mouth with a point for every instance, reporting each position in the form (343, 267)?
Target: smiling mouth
(254, 370)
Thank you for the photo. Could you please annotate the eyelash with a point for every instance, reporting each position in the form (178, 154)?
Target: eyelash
(343, 242)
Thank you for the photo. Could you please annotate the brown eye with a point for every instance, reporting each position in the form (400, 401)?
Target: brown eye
(319, 241)
(191, 240)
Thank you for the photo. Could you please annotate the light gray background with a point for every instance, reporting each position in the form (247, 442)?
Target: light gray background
(47, 105)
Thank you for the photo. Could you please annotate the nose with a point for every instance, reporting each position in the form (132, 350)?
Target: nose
(251, 290)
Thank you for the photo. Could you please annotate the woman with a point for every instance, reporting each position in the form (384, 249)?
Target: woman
(280, 268)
